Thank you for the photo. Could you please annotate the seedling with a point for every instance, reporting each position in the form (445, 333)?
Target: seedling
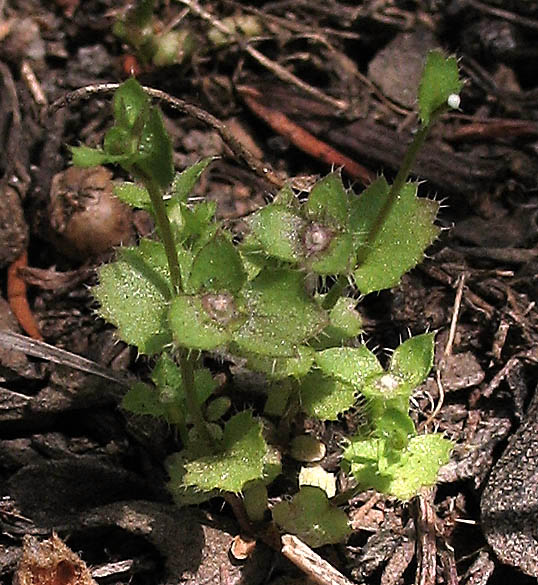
(284, 298)
(150, 41)
(159, 45)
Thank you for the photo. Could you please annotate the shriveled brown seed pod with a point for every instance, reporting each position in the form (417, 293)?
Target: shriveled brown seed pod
(86, 218)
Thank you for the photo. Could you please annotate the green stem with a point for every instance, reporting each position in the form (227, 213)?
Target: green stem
(407, 163)
(165, 231)
(187, 364)
(176, 417)
(399, 181)
(334, 293)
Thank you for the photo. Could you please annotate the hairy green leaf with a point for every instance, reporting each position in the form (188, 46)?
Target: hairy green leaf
(134, 195)
(396, 427)
(143, 399)
(326, 397)
(328, 202)
(278, 231)
(413, 359)
(196, 326)
(166, 375)
(134, 294)
(120, 143)
(182, 494)
(240, 459)
(417, 466)
(286, 198)
(337, 258)
(440, 79)
(351, 365)
(84, 156)
(155, 150)
(129, 103)
(278, 368)
(280, 316)
(345, 319)
(185, 181)
(312, 517)
(217, 267)
(194, 227)
(399, 243)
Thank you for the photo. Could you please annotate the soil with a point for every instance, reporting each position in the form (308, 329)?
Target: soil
(72, 462)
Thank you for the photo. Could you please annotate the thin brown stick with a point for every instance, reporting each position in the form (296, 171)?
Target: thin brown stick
(13, 146)
(184, 107)
(450, 569)
(30, 78)
(282, 73)
(505, 14)
(494, 128)
(530, 355)
(455, 316)
(426, 542)
(315, 567)
(304, 29)
(297, 135)
(448, 349)
(45, 351)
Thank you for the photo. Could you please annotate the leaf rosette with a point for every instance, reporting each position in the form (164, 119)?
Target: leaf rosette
(315, 236)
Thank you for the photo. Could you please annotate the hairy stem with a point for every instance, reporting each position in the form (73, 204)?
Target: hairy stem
(405, 169)
(176, 417)
(165, 231)
(187, 363)
(399, 182)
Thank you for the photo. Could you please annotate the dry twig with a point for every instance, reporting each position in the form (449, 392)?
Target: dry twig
(184, 107)
(282, 73)
(426, 544)
(318, 569)
(448, 349)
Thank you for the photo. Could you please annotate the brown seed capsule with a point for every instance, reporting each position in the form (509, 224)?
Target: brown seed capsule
(86, 218)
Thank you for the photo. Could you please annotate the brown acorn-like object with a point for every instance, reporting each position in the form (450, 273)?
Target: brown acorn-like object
(86, 218)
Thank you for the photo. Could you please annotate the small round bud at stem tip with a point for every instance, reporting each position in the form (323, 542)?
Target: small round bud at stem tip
(454, 101)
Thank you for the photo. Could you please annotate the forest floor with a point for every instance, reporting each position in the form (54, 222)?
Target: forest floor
(317, 85)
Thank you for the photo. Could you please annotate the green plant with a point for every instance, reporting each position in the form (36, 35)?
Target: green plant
(280, 298)
(159, 45)
(149, 39)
